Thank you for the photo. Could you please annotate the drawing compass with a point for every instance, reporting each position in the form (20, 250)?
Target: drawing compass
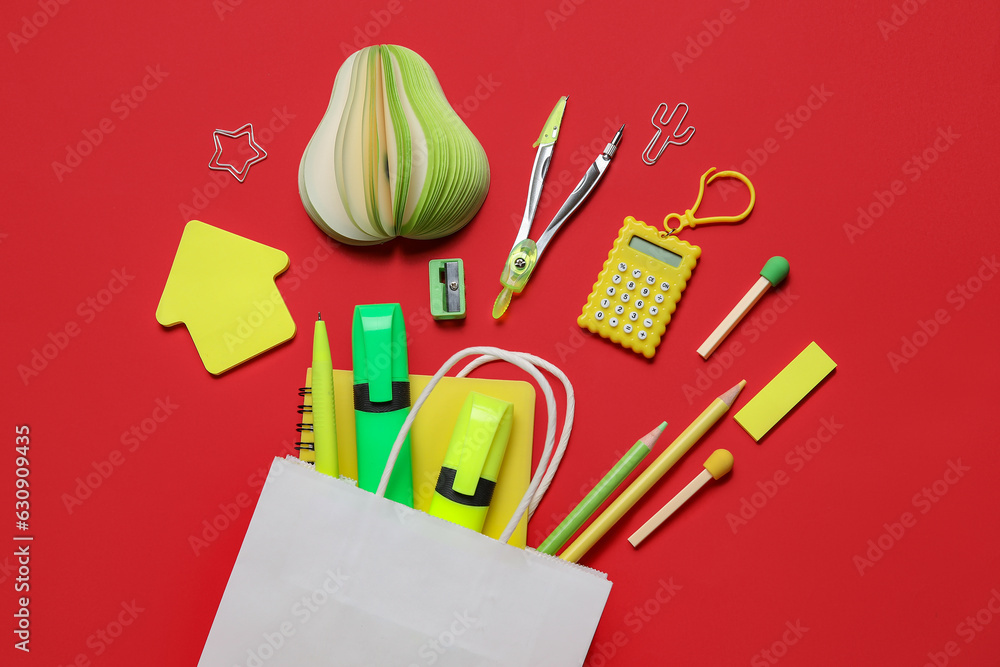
(525, 253)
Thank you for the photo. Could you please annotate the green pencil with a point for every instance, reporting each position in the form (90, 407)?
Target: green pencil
(601, 491)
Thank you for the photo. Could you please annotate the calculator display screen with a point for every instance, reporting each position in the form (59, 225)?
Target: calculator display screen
(645, 247)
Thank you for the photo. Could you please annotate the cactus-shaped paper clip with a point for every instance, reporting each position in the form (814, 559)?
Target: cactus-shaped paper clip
(683, 136)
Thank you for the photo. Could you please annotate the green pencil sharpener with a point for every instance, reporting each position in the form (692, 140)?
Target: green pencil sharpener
(447, 284)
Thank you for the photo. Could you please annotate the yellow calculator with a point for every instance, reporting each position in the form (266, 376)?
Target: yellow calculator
(639, 287)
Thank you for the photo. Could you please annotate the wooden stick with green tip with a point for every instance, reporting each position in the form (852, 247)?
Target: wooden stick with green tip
(775, 270)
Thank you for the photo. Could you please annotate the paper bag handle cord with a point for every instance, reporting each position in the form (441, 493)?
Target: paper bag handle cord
(526, 363)
(567, 421)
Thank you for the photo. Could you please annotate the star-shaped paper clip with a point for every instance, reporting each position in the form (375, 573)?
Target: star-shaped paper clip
(217, 164)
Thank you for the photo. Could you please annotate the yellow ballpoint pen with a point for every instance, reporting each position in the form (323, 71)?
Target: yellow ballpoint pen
(324, 419)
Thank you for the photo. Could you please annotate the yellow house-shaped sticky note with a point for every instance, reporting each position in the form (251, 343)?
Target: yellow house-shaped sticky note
(221, 286)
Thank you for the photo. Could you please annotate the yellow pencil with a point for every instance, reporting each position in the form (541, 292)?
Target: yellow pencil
(651, 475)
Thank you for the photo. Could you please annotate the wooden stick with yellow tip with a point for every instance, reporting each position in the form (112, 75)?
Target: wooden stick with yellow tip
(651, 475)
(717, 465)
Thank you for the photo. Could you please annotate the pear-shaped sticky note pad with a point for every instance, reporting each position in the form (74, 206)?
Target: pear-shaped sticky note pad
(222, 287)
(390, 156)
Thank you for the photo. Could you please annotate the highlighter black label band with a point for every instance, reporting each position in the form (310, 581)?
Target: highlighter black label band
(400, 398)
(481, 498)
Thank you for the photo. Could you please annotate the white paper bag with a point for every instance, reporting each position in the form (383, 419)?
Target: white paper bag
(329, 574)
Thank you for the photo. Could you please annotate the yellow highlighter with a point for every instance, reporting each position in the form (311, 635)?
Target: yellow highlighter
(472, 464)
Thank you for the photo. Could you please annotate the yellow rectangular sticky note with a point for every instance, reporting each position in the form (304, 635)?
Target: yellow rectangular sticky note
(784, 392)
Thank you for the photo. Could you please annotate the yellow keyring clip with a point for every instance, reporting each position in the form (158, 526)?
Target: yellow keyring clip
(688, 219)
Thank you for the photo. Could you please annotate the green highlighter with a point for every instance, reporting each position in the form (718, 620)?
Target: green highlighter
(381, 397)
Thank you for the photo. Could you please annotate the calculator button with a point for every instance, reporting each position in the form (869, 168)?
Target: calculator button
(633, 316)
(605, 302)
(664, 286)
(611, 291)
(612, 321)
(630, 285)
(641, 335)
(636, 273)
(647, 322)
(658, 297)
(653, 310)
(625, 296)
(599, 315)
(639, 303)
(651, 279)
(616, 279)
(644, 291)
(627, 328)
(622, 266)
(619, 309)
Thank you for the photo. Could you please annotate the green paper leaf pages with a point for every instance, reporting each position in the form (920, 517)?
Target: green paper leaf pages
(390, 156)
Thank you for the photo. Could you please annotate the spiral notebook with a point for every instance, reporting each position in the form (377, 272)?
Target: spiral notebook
(306, 444)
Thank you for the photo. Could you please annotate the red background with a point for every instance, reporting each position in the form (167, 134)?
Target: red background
(859, 296)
